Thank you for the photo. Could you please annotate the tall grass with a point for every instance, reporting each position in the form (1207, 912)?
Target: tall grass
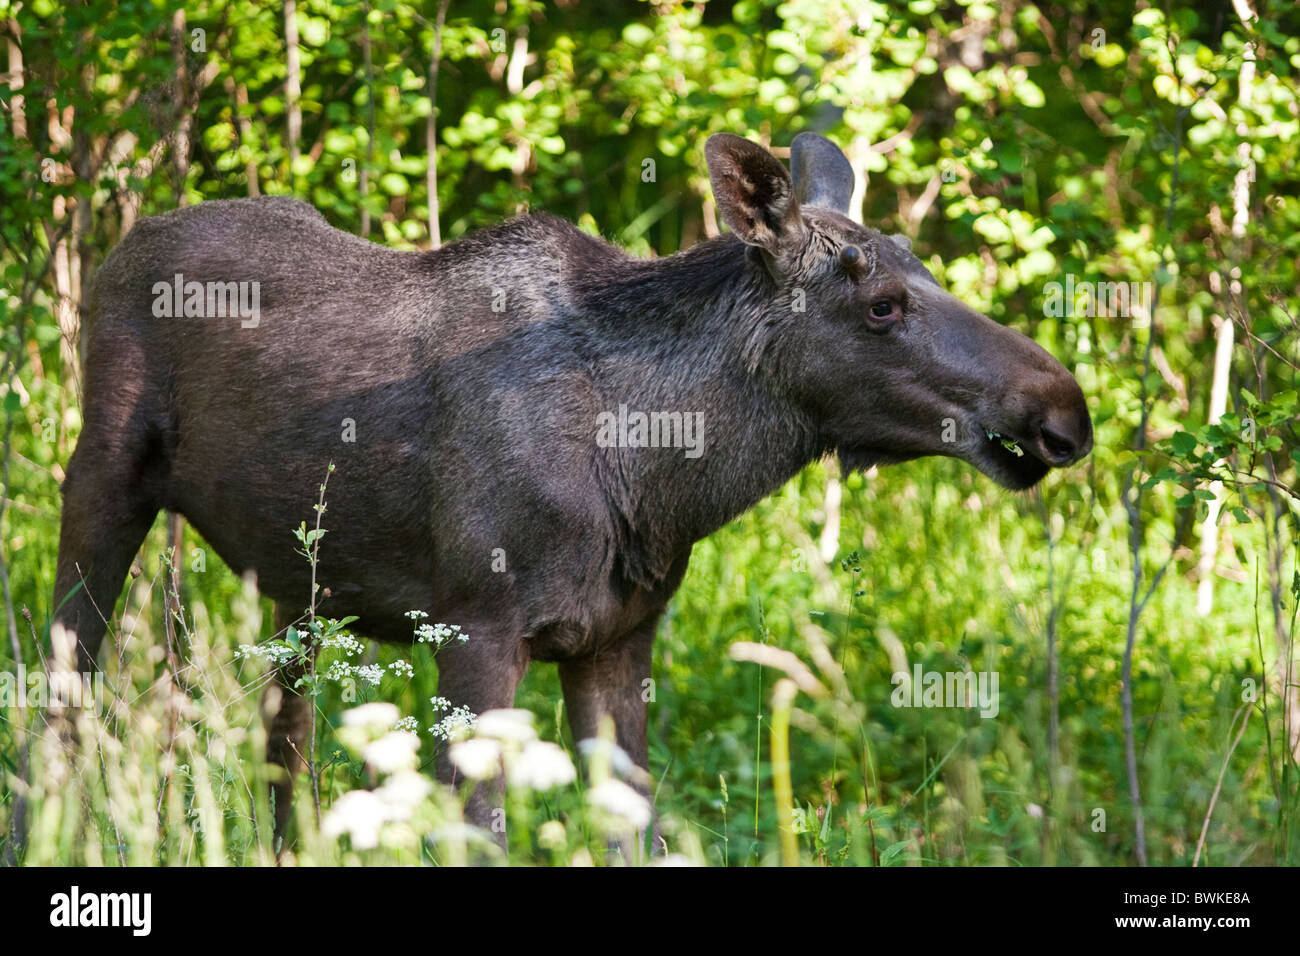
(950, 573)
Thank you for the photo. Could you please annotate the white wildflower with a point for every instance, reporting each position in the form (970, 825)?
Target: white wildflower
(402, 668)
(542, 766)
(392, 752)
(378, 716)
(440, 634)
(551, 835)
(508, 726)
(274, 652)
(371, 674)
(409, 724)
(477, 759)
(340, 671)
(402, 792)
(455, 725)
(620, 801)
(358, 813)
(344, 642)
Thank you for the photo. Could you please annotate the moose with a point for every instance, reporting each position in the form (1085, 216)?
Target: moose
(475, 380)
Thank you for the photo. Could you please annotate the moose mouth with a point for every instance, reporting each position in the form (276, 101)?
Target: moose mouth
(1011, 462)
(1008, 461)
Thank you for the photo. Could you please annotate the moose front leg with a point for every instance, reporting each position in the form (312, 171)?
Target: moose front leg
(613, 682)
(480, 675)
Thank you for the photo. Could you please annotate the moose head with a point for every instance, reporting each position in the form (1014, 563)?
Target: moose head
(889, 365)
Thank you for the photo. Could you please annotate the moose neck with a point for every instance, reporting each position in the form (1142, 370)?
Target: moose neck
(695, 438)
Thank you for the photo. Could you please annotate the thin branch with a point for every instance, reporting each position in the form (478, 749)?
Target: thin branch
(431, 128)
(1218, 785)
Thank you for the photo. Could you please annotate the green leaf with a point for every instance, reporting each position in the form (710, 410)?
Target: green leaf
(1183, 443)
(892, 852)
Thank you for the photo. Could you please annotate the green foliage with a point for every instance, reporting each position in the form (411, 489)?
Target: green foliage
(1017, 144)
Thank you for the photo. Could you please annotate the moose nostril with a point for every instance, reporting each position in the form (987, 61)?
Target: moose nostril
(1059, 447)
(1086, 445)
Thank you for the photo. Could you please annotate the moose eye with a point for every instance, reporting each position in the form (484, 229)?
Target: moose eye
(882, 308)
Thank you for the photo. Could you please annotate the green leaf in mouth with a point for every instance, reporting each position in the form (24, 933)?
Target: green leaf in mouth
(1008, 443)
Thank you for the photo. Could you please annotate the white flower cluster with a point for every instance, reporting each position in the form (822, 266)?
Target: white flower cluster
(623, 806)
(274, 652)
(278, 652)
(618, 806)
(496, 742)
(394, 751)
(390, 751)
(372, 674)
(346, 643)
(372, 719)
(440, 634)
(340, 671)
(455, 724)
(508, 736)
(435, 634)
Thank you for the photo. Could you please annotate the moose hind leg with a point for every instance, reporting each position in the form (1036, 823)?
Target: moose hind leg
(289, 735)
(110, 499)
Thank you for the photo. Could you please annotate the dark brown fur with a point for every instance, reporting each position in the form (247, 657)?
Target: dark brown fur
(475, 429)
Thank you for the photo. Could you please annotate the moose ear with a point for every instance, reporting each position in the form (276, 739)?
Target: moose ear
(822, 175)
(753, 191)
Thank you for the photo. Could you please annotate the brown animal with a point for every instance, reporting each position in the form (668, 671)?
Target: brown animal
(486, 484)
